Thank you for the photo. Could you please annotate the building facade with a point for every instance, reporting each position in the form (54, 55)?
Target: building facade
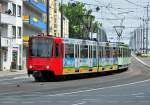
(53, 17)
(138, 40)
(10, 34)
(65, 25)
(55, 20)
(34, 22)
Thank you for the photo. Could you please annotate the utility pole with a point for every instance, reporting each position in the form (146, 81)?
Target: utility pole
(47, 17)
(135, 41)
(147, 20)
(62, 13)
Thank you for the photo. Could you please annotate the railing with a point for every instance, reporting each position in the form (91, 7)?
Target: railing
(39, 5)
(5, 41)
(7, 19)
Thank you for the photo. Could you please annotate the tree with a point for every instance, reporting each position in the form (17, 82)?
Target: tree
(77, 25)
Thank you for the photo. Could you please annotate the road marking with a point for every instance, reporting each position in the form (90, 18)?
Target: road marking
(28, 102)
(80, 103)
(138, 94)
(21, 77)
(95, 89)
(15, 78)
(140, 61)
(5, 80)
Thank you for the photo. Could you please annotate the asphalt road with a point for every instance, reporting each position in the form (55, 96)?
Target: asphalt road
(131, 87)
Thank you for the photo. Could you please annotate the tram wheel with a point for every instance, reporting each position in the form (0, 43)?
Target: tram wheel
(39, 79)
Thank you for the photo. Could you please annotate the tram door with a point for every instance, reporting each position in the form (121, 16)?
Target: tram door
(77, 56)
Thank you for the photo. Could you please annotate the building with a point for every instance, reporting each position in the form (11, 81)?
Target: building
(65, 26)
(55, 20)
(137, 40)
(10, 34)
(53, 17)
(34, 21)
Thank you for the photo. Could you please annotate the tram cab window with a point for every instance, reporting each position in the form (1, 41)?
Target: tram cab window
(84, 51)
(69, 50)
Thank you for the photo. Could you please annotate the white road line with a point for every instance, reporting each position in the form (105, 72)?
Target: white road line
(140, 61)
(5, 80)
(28, 102)
(21, 77)
(15, 78)
(138, 94)
(95, 89)
(80, 103)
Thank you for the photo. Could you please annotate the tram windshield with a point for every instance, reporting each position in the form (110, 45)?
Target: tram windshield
(41, 47)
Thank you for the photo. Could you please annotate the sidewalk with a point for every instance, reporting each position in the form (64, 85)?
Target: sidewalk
(13, 72)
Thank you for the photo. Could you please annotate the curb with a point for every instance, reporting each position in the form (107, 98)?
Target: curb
(140, 61)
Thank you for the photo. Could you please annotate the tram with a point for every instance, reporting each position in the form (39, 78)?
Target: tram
(50, 57)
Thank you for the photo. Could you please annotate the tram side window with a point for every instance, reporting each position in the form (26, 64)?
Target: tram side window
(100, 52)
(124, 52)
(69, 51)
(107, 52)
(120, 53)
(114, 53)
(103, 51)
(84, 51)
(76, 50)
(94, 51)
(111, 51)
(90, 53)
(56, 53)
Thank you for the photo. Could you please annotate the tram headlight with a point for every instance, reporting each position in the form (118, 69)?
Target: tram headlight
(47, 67)
(30, 67)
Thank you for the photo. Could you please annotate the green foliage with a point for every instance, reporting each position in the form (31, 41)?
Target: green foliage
(75, 13)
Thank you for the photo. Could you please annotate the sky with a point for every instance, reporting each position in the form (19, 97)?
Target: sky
(113, 11)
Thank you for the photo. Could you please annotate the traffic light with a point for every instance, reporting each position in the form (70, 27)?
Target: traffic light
(97, 9)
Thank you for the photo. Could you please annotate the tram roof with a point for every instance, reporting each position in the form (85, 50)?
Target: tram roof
(88, 42)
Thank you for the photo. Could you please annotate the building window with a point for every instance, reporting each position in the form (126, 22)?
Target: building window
(1, 8)
(14, 9)
(19, 32)
(13, 31)
(19, 11)
(5, 56)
